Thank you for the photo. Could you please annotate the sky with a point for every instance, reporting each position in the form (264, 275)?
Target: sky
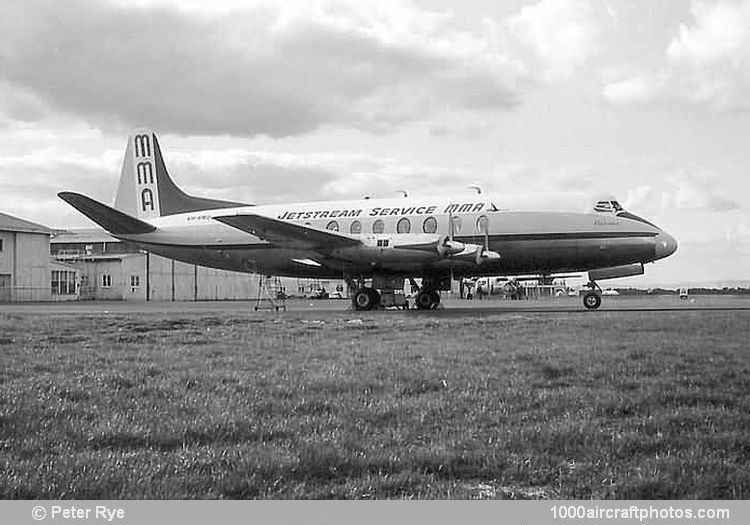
(543, 104)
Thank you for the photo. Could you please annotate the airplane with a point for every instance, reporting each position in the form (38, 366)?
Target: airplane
(373, 244)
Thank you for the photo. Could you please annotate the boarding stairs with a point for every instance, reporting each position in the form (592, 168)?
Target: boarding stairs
(271, 296)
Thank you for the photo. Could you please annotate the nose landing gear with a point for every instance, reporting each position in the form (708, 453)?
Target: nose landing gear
(592, 299)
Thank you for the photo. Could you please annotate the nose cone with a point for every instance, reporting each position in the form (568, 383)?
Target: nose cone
(666, 245)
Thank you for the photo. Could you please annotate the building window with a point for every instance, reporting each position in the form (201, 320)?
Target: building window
(106, 280)
(429, 225)
(135, 281)
(333, 226)
(378, 226)
(355, 227)
(63, 282)
(403, 225)
(482, 224)
(1, 245)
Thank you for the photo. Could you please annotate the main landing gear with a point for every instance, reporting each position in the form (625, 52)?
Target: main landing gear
(365, 298)
(592, 299)
(427, 299)
(387, 294)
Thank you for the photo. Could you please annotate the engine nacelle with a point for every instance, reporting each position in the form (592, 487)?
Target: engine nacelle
(613, 272)
(487, 256)
(477, 254)
(447, 248)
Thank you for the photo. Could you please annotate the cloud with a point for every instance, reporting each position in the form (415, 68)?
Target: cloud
(720, 33)
(687, 191)
(273, 68)
(640, 88)
(264, 177)
(255, 176)
(269, 177)
(697, 191)
(562, 33)
(707, 64)
(19, 104)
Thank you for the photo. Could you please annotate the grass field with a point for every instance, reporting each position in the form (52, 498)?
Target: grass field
(383, 405)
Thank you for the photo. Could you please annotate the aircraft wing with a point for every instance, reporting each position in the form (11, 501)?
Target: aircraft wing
(288, 235)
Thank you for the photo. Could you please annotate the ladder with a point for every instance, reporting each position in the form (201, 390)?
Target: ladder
(270, 294)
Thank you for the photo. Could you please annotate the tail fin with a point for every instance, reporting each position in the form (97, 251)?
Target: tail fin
(145, 189)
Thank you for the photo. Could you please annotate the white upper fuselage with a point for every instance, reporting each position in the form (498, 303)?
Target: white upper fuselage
(200, 228)
(527, 241)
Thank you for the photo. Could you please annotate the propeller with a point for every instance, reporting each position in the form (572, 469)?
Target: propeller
(450, 237)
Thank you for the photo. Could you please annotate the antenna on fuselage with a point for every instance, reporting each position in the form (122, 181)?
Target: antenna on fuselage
(406, 193)
(478, 189)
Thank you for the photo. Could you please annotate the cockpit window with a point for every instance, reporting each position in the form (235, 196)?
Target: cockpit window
(608, 206)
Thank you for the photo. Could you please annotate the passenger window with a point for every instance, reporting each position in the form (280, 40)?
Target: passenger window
(378, 226)
(429, 225)
(333, 226)
(403, 226)
(482, 224)
(355, 227)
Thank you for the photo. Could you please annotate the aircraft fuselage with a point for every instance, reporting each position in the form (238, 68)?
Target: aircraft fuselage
(527, 241)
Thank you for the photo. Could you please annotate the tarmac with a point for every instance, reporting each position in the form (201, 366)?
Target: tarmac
(448, 306)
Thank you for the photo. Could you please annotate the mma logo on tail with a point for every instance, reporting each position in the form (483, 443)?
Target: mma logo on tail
(145, 183)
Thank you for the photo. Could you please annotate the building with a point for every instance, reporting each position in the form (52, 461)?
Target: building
(111, 269)
(65, 281)
(24, 260)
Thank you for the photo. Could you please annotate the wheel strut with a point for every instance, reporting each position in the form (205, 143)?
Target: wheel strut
(592, 299)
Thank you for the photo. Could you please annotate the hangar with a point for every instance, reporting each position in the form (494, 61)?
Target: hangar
(41, 264)
(24, 260)
(111, 269)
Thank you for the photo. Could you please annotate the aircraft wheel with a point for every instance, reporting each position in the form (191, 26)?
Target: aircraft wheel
(423, 300)
(427, 300)
(592, 300)
(365, 299)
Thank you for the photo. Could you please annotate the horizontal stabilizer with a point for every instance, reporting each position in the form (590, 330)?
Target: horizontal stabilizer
(112, 220)
(287, 234)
